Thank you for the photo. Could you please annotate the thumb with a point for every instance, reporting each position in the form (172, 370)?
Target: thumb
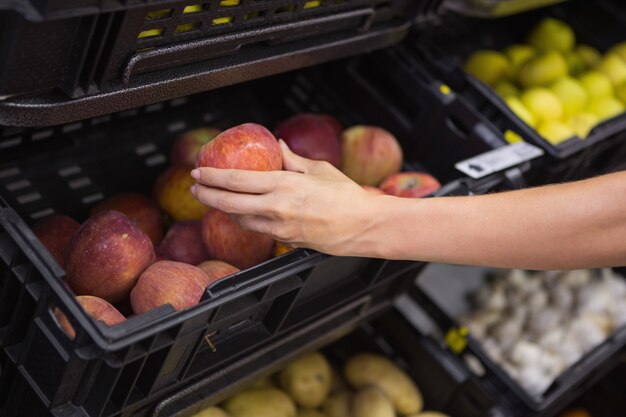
(293, 162)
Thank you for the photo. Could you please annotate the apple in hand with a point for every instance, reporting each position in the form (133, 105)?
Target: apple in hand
(186, 147)
(97, 308)
(226, 240)
(55, 232)
(370, 154)
(410, 184)
(248, 146)
(106, 256)
(311, 136)
(140, 209)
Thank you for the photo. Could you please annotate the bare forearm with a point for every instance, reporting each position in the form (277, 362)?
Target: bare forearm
(564, 226)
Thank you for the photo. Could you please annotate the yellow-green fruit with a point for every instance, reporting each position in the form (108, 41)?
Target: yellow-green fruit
(265, 402)
(338, 405)
(619, 49)
(211, 412)
(572, 95)
(306, 412)
(542, 103)
(521, 111)
(582, 123)
(307, 380)
(555, 132)
(266, 382)
(596, 84)
(505, 89)
(365, 369)
(543, 70)
(488, 66)
(552, 34)
(590, 55)
(605, 107)
(613, 67)
(372, 402)
(620, 92)
(519, 53)
(575, 63)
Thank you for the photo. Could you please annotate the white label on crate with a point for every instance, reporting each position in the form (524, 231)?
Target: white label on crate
(498, 159)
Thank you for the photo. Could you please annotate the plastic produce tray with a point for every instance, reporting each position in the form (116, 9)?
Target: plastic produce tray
(71, 60)
(69, 168)
(443, 47)
(442, 300)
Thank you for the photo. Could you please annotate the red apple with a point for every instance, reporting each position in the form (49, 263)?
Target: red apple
(373, 190)
(140, 209)
(97, 308)
(410, 184)
(173, 195)
(217, 270)
(248, 146)
(168, 282)
(106, 256)
(186, 147)
(333, 123)
(370, 154)
(55, 232)
(226, 240)
(312, 137)
(183, 243)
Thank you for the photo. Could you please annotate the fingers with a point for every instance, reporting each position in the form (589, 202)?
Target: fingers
(229, 202)
(251, 182)
(293, 162)
(257, 224)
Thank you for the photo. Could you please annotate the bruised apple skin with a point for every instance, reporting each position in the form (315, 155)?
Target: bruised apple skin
(186, 147)
(168, 282)
(97, 308)
(370, 154)
(56, 232)
(410, 184)
(173, 195)
(106, 256)
(226, 240)
(140, 209)
(216, 269)
(312, 137)
(183, 243)
(249, 146)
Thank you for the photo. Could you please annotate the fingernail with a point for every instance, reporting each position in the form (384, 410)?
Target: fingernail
(195, 174)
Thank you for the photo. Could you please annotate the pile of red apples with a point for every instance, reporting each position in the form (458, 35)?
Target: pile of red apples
(122, 261)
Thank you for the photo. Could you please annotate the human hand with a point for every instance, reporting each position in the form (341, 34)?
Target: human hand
(310, 204)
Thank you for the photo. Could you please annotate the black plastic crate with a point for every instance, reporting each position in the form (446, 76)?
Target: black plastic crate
(443, 46)
(108, 371)
(444, 381)
(65, 60)
(442, 307)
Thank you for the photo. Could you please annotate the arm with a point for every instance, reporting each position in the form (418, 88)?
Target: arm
(312, 204)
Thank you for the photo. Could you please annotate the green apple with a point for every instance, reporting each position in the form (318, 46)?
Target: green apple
(596, 84)
(552, 35)
(506, 89)
(572, 95)
(521, 111)
(613, 67)
(519, 53)
(590, 55)
(555, 131)
(606, 107)
(542, 103)
(582, 123)
(543, 69)
(488, 66)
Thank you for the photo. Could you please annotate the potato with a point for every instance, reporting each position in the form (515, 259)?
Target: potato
(367, 369)
(307, 412)
(338, 405)
(260, 402)
(307, 380)
(211, 412)
(372, 402)
(266, 382)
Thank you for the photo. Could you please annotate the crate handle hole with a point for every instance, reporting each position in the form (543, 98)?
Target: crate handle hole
(285, 9)
(312, 4)
(188, 27)
(193, 8)
(159, 14)
(229, 3)
(223, 20)
(150, 33)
